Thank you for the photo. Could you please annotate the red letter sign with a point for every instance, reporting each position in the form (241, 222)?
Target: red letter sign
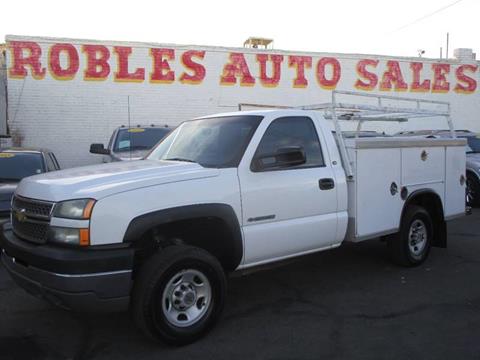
(393, 75)
(161, 68)
(97, 62)
(440, 82)
(270, 81)
(237, 67)
(300, 63)
(122, 74)
(336, 72)
(367, 75)
(56, 69)
(20, 61)
(198, 69)
(416, 86)
(470, 83)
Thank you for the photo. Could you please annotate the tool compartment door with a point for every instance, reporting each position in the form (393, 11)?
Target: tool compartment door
(378, 182)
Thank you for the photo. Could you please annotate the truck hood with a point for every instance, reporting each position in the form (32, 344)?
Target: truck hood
(7, 189)
(129, 155)
(99, 181)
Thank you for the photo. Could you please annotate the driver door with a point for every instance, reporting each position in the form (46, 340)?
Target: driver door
(288, 210)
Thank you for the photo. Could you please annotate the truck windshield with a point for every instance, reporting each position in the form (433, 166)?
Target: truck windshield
(16, 166)
(138, 138)
(473, 144)
(217, 142)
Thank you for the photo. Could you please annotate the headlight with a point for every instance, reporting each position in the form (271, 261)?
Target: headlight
(69, 236)
(80, 209)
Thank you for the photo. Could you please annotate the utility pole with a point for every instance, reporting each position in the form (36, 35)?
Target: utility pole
(448, 39)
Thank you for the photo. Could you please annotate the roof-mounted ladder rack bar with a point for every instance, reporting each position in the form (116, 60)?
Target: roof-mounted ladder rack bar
(345, 111)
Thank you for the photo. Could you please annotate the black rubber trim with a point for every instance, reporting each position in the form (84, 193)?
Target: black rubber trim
(65, 260)
(229, 250)
(96, 294)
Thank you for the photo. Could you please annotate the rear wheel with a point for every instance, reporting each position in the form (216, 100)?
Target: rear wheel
(472, 190)
(179, 294)
(411, 245)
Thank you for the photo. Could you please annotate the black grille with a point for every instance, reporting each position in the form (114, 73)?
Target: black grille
(31, 219)
(33, 208)
(31, 231)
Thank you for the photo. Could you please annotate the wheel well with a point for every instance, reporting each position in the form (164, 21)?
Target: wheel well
(473, 173)
(212, 227)
(432, 203)
(208, 233)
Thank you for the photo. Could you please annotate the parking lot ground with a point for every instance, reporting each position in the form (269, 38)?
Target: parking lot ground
(349, 303)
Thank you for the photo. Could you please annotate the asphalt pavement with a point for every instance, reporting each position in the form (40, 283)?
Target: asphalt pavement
(348, 303)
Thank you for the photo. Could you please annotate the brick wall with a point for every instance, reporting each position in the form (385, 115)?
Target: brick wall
(3, 94)
(68, 115)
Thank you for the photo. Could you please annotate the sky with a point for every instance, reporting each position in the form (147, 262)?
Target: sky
(368, 26)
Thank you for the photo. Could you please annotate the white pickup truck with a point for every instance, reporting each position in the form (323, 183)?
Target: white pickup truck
(219, 194)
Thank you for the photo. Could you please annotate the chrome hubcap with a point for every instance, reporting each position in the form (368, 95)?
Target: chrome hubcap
(186, 298)
(417, 237)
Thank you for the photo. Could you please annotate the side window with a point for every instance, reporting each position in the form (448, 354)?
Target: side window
(292, 132)
(50, 163)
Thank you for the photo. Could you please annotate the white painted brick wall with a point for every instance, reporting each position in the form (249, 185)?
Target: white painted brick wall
(3, 95)
(67, 116)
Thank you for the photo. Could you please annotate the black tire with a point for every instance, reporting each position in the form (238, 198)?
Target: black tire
(401, 246)
(159, 272)
(472, 190)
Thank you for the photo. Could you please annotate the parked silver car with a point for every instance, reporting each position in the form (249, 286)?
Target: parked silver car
(473, 158)
(131, 143)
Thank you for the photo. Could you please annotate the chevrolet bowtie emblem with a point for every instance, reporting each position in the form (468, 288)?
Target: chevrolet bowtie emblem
(20, 215)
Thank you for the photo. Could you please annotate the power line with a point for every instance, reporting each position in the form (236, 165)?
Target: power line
(426, 16)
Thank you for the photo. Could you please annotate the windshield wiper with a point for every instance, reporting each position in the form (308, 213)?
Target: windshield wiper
(140, 147)
(8, 179)
(180, 159)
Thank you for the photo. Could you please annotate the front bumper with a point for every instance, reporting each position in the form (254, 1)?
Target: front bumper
(75, 279)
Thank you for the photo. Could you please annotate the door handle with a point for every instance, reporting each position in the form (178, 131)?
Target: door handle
(326, 184)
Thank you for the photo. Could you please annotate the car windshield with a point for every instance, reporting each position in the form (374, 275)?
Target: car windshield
(473, 144)
(138, 138)
(213, 142)
(14, 166)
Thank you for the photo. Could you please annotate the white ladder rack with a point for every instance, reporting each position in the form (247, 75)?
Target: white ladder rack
(345, 111)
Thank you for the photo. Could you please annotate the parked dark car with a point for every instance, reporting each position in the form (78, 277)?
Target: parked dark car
(131, 143)
(17, 163)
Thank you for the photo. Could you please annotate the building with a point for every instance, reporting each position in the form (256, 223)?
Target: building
(65, 94)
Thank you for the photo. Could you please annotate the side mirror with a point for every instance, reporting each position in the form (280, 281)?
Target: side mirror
(99, 149)
(283, 158)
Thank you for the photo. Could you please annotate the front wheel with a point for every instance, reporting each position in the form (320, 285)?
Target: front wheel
(411, 245)
(179, 294)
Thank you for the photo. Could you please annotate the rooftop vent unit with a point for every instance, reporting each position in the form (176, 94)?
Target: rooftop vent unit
(256, 42)
(464, 55)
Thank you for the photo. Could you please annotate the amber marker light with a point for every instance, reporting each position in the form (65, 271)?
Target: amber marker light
(84, 237)
(87, 211)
